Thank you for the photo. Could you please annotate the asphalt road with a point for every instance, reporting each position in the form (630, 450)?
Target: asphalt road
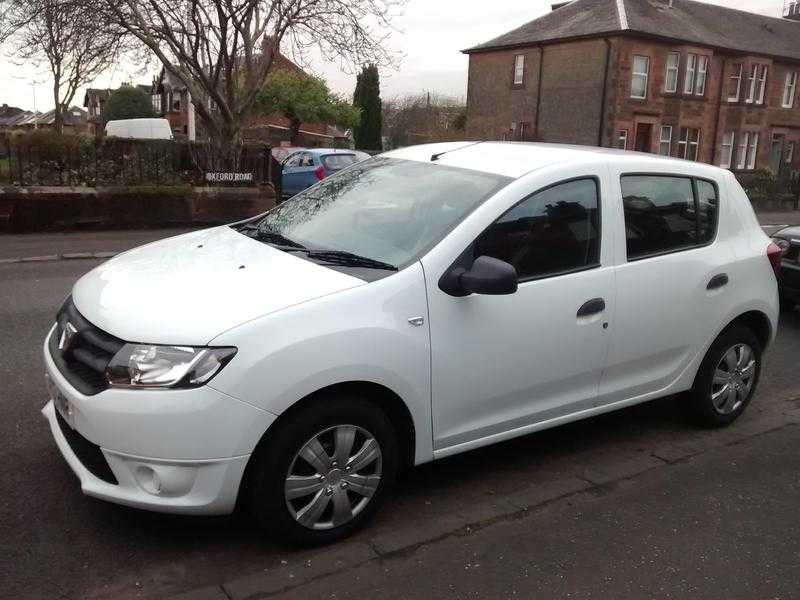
(732, 510)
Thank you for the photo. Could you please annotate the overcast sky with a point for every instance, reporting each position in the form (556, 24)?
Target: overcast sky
(430, 34)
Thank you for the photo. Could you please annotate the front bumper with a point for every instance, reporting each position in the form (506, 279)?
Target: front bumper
(178, 451)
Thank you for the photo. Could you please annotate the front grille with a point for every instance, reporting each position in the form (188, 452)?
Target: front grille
(83, 358)
(88, 453)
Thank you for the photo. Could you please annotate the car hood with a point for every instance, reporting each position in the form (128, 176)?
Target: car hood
(188, 289)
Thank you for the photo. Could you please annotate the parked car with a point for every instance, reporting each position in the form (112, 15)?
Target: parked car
(139, 129)
(304, 168)
(434, 300)
(788, 240)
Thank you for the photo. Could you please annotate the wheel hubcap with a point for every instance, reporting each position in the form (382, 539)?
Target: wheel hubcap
(333, 477)
(733, 379)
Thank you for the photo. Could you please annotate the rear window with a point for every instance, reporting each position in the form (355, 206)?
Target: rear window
(665, 214)
(335, 162)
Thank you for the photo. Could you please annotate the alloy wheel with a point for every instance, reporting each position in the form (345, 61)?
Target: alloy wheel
(333, 477)
(733, 379)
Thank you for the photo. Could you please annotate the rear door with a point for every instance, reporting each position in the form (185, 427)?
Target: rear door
(672, 280)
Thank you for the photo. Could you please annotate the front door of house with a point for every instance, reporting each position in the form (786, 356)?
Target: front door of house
(644, 134)
(776, 153)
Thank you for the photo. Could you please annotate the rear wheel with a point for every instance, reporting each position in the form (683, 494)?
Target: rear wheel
(727, 378)
(324, 471)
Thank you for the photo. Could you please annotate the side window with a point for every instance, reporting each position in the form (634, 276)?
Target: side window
(293, 160)
(553, 231)
(663, 215)
(307, 160)
(707, 209)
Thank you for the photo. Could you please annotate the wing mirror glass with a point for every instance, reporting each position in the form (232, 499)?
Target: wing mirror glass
(487, 276)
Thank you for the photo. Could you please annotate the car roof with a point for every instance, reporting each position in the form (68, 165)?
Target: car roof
(792, 231)
(515, 159)
(321, 151)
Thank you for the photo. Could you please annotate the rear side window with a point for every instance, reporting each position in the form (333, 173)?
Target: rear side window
(665, 213)
(335, 162)
(553, 231)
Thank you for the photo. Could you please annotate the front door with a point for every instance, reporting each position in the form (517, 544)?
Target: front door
(644, 134)
(503, 364)
(776, 153)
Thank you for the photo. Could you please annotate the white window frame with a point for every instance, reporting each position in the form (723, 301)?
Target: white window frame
(686, 142)
(789, 89)
(744, 140)
(702, 75)
(622, 135)
(675, 70)
(519, 69)
(726, 158)
(762, 83)
(691, 70)
(737, 76)
(751, 94)
(752, 151)
(789, 155)
(645, 75)
(662, 140)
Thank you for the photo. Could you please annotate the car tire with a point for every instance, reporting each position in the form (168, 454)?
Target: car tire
(727, 378)
(290, 480)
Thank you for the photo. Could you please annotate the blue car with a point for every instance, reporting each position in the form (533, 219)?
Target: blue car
(304, 168)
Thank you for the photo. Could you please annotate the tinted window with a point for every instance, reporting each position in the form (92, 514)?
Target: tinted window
(335, 162)
(707, 202)
(386, 209)
(553, 231)
(661, 214)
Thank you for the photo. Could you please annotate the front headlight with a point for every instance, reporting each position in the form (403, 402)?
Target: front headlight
(147, 366)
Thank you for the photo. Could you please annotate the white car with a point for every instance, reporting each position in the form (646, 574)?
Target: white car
(422, 303)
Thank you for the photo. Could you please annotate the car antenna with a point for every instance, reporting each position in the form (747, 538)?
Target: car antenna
(435, 157)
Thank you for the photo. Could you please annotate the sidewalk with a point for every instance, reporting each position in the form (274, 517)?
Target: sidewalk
(82, 244)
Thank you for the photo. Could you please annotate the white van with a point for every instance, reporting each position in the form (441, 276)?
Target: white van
(410, 307)
(139, 129)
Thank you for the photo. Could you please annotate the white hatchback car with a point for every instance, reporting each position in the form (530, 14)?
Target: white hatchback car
(423, 303)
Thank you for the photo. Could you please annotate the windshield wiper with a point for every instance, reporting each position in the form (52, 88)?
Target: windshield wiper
(348, 259)
(272, 238)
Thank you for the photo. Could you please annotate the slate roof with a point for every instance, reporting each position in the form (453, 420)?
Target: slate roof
(687, 20)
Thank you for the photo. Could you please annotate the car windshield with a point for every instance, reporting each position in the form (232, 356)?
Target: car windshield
(384, 210)
(335, 162)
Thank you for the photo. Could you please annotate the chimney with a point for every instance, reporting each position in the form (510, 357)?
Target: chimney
(558, 5)
(791, 10)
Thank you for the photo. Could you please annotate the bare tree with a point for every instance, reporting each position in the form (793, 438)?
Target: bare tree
(223, 50)
(66, 35)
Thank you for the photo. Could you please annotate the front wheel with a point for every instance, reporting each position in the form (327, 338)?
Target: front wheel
(324, 471)
(727, 378)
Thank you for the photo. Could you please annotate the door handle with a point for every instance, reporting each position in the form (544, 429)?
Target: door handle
(592, 307)
(718, 281)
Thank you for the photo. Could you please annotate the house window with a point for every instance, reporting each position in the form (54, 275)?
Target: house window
(641, 69)
(519, 69)
(691, 70)
(728, 145)
(789, 155)
(748, 150)
(702, 71)
(758, 84)
(789, 87)
(622, 139)
(665, 141)
(735, 83)
(689, 143)
(156, 100)
(673, 66)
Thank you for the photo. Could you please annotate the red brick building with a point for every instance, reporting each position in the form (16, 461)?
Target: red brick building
(674, 77)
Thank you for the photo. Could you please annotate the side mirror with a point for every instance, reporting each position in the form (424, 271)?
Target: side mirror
(487, 275)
